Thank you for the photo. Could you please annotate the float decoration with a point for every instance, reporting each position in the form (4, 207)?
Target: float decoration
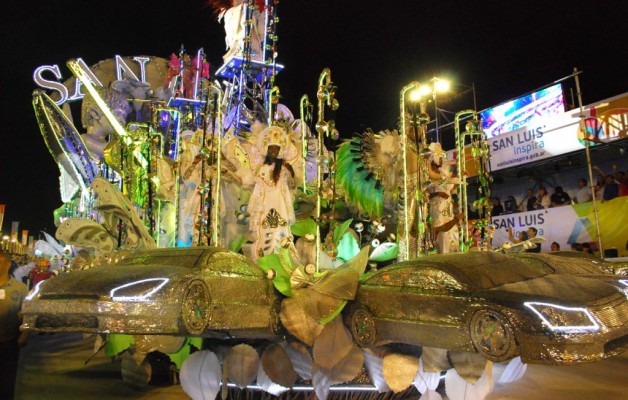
(173, 174)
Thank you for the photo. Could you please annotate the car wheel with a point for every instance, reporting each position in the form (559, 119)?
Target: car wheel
(493, 336)
(195, 307)
(362, 327)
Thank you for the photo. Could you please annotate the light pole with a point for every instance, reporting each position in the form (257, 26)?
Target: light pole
(435, 85)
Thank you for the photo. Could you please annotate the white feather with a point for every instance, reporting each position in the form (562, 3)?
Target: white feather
(373, 364)
(513, 371)
(266, 384)
(321, 382)
(431, 395)
(200, 375)
(459, 389)
(426, 381)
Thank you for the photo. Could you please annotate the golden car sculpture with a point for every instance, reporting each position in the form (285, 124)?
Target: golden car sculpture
(200, 291)
(493, 304)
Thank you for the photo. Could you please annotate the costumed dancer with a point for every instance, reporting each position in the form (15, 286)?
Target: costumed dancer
(271, 203)
(234, 14)
(189, 198)
(441, 207)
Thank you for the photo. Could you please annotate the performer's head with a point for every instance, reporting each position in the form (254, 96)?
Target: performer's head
(272, 152)
(276, 137)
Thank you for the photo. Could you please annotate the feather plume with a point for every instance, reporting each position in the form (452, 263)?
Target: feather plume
(373, 359)
(278, 367)
(469, 366)
(459, 389)
(400, 370)
(300, 358)
(267, 384)
(426, 381)
(241, 364)
(513, 371)
(200, 375)
(219, 6)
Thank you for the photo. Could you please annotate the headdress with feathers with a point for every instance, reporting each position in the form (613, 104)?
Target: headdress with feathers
(220, 6)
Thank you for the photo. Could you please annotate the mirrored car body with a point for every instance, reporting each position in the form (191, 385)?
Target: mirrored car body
(201, 291)
(493, 304)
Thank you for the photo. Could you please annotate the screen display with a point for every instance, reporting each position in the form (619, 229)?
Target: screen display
(523, 111)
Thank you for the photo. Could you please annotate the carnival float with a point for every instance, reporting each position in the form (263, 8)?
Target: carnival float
(255, 249)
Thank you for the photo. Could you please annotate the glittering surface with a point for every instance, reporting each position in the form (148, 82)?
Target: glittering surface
(432, 302)
(464, 302)
(240, 301)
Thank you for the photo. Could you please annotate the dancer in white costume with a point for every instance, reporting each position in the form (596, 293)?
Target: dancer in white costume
(441, 207)
(234, 14)
(189, 198)
(271, 203)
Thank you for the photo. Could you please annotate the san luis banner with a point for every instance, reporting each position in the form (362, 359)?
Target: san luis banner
(553, 135)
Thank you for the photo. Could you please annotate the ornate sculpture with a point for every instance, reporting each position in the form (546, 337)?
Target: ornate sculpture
(119, 221)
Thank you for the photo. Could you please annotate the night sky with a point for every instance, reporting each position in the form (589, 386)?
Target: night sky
(503, 48)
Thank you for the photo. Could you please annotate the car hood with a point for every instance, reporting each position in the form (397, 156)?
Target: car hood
(100, 281)
(565, 289)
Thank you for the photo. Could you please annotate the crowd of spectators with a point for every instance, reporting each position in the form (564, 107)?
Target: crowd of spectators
(32, 269)
(582, 247)
(18, 274)
(608, 187)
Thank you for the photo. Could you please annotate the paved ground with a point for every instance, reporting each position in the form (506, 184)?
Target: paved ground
(52, 367)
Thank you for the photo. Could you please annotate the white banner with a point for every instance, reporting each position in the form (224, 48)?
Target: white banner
(560, 224)
(605, 120)
(571, 224)
(553, 136)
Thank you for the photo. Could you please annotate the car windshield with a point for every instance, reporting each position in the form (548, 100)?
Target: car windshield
(481, 270)
(184, 257)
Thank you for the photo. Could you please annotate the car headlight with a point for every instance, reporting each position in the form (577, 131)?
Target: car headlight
(34, 291)
(140, 290)
(564, 319)
(623, 286)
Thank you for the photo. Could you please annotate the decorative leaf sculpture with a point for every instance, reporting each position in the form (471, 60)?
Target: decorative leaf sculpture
(435, 359)
(278, 367)
(431, 395)
(459, 389)
(298, 322)
(267, 384)
(426, 381)
(317, 306)
(341, 284)
(301, 359)
(400, 371)
(320, 382)
(348, 247)
(344, 371)
(114, 206)
(86, 233)
(241, 364)
(347, 368)
(470, 366)
(513, 371)
(339, 231)
(302, 228)
(385, 252)
(373, 359)
(281, 281)
(200, 375)
(332, 345)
